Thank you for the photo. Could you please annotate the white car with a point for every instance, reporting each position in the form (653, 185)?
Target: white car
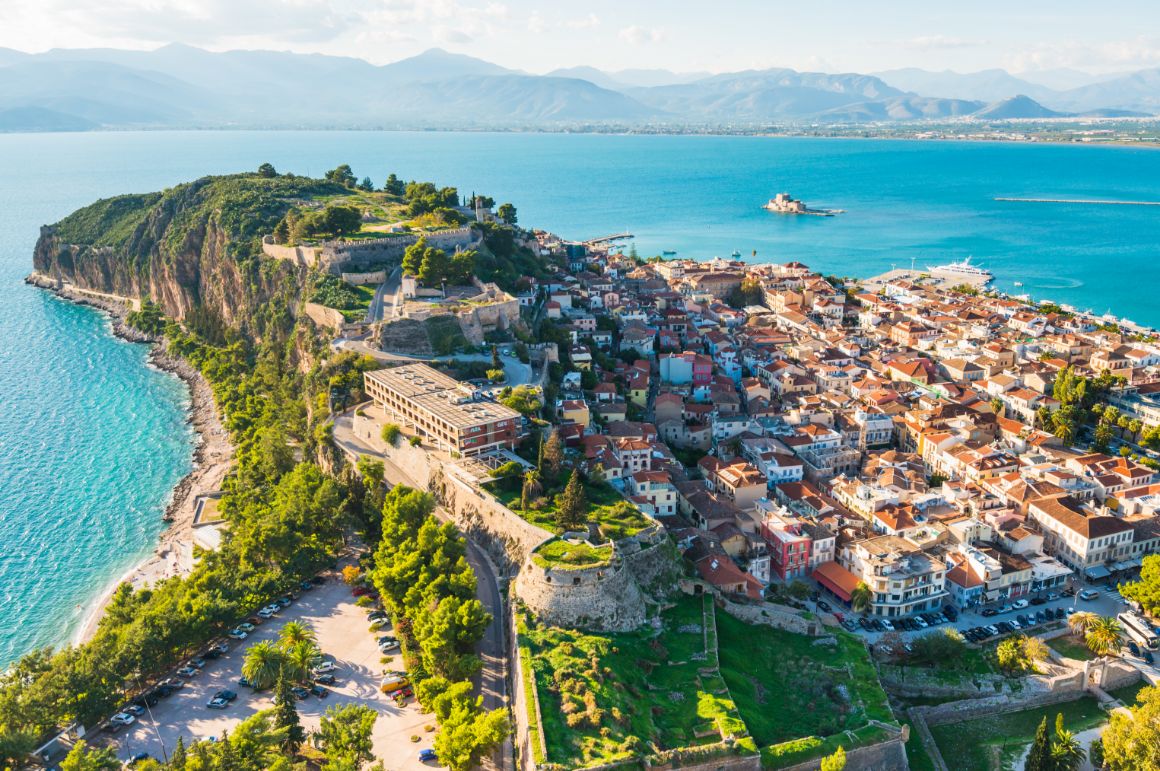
(1020, 604)
(238, 634)
(269, 611)
(122, 718)
(888, 625)
(324, 667)
(921, 622)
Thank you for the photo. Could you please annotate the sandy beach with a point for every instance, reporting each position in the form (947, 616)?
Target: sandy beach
(212, 458)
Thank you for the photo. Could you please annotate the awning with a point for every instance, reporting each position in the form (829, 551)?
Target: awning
(836, 578)
(1097, 572)
(1127, 564)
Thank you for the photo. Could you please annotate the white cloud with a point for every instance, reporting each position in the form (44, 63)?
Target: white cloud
(1112, 56)
(636, 34)
(536, 23)
(591, 21)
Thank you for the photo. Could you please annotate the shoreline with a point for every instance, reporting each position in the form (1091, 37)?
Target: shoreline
(212, 458)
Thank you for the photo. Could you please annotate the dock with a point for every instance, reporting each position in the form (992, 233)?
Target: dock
(608, 239)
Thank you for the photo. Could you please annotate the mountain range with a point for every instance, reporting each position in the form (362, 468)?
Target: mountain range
(179, 86)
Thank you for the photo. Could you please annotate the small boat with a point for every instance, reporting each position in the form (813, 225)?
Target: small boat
(1018, 283)
(669, 252)
(736, 253)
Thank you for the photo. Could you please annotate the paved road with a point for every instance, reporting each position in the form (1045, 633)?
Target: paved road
(343, 635)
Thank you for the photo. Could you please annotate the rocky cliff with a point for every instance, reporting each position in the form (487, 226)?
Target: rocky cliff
(194, 246)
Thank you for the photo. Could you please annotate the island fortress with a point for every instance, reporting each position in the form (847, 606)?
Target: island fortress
(783, 203)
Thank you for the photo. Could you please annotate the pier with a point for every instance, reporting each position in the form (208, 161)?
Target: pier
(608, 239)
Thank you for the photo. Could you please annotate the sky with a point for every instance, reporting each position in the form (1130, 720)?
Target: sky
(679, 35)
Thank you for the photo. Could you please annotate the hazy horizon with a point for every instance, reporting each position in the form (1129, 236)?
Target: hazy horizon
(1036, 38)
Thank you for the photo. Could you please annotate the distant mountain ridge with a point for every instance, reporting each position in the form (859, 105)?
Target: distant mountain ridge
(179, 86)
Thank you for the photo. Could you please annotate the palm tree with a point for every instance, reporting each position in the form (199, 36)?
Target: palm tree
(1104, 636)
(1066, 752)
(860, 597)
(296, 632)
(299, 658)
(1079, 623)
(262, 663)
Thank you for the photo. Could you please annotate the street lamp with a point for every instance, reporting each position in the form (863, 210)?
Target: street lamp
(153, 720)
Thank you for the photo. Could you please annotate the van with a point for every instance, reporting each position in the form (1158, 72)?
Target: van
(392, 683)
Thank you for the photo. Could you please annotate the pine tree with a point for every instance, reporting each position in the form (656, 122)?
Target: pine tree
(496, 361)
(177, 761)
(286, 716)
(1039, 758)
(571, 505)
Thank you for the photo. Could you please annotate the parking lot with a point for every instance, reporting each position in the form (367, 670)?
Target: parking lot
(343, 635)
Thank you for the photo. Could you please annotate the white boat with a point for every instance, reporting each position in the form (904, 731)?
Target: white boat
(964, 268)
(1018, 283)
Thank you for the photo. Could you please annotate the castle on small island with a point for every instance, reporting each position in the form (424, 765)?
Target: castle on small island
(784, 203)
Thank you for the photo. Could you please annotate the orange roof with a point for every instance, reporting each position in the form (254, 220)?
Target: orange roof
(836, 578)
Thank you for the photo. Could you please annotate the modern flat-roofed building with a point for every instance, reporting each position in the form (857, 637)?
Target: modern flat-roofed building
(443, 409)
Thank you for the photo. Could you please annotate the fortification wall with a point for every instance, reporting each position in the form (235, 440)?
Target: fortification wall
(305, 256)
(508, 538)
(605, 598)
(374, 277)
(885, 756)
(327, 318)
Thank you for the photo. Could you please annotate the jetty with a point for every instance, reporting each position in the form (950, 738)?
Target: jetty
(608, 239)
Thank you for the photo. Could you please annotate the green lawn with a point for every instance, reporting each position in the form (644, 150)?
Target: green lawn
(1128, 693)
(608, 696)
(786, 687)
(572, 555)
(616, 517)
(1071, 647)
(973, 745)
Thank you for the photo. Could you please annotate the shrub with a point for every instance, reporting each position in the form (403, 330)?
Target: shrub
(351, 574)
(415, 441)
(391, 433)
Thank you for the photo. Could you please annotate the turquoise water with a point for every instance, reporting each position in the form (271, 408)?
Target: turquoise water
(92, 441)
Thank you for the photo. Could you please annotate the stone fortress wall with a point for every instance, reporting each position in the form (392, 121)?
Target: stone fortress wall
(335, 256)
(605, 597)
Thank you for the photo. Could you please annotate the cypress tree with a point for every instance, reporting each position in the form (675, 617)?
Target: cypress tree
(1039, 758)
(177, 761)
(572, 505)
(286, 716)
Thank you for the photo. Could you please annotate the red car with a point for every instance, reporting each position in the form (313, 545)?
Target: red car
(359, 591)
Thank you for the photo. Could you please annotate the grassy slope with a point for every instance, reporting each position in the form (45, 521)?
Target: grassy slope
(616, 521)
(640, 685)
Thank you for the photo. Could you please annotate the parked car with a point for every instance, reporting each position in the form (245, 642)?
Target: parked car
(1088, 594)
(1052, 596)
(887, 625)
(299, 692)
(122, 719)
(306, 586)
(1040, 616)
(284, 601)
(238, 633)
(173, 683)
(375, 615)
(216, 703)
(227, 695)
(326, 679)
(824, 606)
(245, 682)
(427, 756)
(187, 672)
(254, 621)
(1060, 614)
(988, 612)
(197, 663)
(267, 612)
(319, 691)
(134, 709)
(1020, 604)
(359, 591)
(324, 667)
(1038, 601)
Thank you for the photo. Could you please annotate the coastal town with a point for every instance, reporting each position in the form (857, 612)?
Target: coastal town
(698, 514)
(902, 455)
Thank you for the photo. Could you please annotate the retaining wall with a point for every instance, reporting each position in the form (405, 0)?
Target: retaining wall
(375, 277)
(889, 755)
(768, 614)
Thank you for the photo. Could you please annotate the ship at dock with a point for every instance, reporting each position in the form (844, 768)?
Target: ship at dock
(784, 203)
(964, 270)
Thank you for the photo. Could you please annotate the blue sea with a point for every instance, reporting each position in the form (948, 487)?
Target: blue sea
(92, 440)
